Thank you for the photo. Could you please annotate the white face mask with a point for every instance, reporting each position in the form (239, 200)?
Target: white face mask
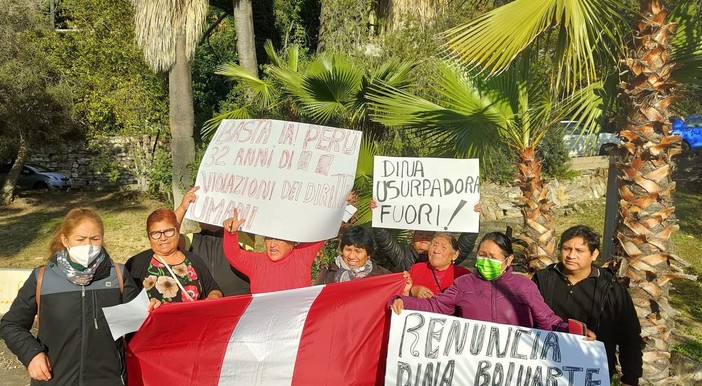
(83, 254)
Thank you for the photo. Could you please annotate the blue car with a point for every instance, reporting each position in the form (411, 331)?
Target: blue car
(690, 130)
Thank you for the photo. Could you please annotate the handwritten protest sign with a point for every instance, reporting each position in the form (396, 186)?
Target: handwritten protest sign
(433, 194)
(288, 180)
(432, 349)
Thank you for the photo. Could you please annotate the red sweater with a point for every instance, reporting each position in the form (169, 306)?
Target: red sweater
(421, 274)
(292, 271)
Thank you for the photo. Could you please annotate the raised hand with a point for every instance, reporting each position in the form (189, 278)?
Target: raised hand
(232, 224)
(189, 198)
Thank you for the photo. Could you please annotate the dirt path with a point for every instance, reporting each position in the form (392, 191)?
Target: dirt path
(12, 372)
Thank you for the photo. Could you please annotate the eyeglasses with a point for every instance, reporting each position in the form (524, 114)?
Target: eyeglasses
(157, 234)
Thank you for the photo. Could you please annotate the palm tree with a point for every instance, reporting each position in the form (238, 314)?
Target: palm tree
(583, 51)
(472, 116)
(168, 33)
(245, 43)
(330, 90)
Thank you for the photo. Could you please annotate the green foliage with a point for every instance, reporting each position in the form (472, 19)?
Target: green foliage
(160, 175)
(217, 48)
(114, 89)
(328, 89)
(34, 100)
(554, 155)
(345, 25)
(102, 160)
(498, 165)
(296, 22)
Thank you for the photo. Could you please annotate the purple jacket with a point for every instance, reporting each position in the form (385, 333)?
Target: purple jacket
(510, 299)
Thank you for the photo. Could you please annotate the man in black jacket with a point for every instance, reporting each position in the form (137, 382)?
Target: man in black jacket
(577, 289)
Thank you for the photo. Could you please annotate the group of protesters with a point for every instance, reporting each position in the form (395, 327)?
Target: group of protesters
(74, 345)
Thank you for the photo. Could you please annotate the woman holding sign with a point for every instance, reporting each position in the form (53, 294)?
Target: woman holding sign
(400, 257)
(284, 265)
(493, 294)
(354, 261)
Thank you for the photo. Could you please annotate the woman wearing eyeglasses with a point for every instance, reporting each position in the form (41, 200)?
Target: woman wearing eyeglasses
(168, 273)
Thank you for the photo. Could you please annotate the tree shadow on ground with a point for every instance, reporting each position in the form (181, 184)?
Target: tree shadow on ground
(35, 214)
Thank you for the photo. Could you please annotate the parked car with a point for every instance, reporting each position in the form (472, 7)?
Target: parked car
(690, 129)
(581, 144)
(37, 177)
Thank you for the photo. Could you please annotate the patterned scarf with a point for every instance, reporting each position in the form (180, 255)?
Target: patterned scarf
(347, 273)
(75, 276)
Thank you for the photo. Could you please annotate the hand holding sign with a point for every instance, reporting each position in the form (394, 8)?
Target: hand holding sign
(421, 292)
(233, 223)
(398, 305)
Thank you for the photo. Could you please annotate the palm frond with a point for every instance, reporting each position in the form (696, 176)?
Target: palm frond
(494, 40)
(363, 184)
(211, 125)
(686, 45)
(449, 131)
(261, 90)
(328, 88)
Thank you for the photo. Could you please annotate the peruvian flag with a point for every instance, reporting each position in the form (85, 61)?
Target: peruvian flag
(322, 335)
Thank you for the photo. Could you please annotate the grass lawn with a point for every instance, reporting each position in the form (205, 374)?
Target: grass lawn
(26, 226)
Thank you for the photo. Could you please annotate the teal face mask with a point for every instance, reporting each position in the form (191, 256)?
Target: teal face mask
(489, 269)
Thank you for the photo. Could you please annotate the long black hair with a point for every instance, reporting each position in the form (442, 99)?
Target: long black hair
(502, 241)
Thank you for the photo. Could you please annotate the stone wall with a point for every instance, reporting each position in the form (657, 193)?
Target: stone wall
(97, 165)
(498, 202)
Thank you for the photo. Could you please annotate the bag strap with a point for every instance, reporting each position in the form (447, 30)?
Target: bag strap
(40, 279)
(118, 270)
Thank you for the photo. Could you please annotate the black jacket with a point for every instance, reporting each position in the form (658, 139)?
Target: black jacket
(73, 331)
(328, 273)
(611, 316)
(138, 266)
(208, 245)
(401, 257)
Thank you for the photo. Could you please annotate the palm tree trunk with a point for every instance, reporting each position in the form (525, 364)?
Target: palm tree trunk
(646, 212)
(323, 25)
(8, 187)
(245, 42)
(182, 121)
(537, 211)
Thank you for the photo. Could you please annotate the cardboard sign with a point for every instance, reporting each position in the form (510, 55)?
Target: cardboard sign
(432, 349)
(433, 194)
(288, 180)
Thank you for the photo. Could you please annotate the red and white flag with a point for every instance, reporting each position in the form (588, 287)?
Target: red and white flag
(322, 335)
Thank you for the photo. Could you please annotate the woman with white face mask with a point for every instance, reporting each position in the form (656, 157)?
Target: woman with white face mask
(492, 294)
(74, 344)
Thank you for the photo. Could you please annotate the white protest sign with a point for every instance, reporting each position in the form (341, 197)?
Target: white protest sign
(432, 349)
(288, 180)
(433, 194)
